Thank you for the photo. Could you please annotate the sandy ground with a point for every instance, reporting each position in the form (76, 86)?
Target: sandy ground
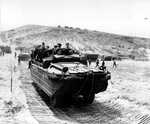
(13, 106)
(129, 84)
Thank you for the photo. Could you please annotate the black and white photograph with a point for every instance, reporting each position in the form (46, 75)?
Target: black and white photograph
(74, 62)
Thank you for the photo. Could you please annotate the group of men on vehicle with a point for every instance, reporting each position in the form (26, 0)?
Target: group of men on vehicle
(41, 51)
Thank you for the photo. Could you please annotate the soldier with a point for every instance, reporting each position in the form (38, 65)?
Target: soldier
(37, 53)
(59, 49)
(54, 49)
(43, 48)
(19, 60)
(114, 63)
(103, 63)
(89, 60)
(68, 50)
(31, 58)
(41, 51)
(3, 52)
(102, 67)
(97, 62)
(47, 48)
(15, 54)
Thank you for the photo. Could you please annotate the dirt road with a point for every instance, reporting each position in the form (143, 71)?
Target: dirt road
(126, 100)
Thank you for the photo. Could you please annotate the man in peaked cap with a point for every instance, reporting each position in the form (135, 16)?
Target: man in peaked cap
(59, 49)
(68, 50)
(67, 45)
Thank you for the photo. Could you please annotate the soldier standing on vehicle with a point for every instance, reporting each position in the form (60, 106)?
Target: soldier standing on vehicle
(40, 52)
(31, 58)
(42, 49)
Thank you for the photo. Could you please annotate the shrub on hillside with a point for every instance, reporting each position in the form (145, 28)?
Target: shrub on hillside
(66, 27)
(71, 28)
(78, 29)
(80, 32)
(59, 26)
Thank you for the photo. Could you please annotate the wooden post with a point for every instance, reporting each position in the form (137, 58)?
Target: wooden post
(11, 79)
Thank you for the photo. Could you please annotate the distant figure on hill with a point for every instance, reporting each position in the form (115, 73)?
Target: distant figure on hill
(114, 63)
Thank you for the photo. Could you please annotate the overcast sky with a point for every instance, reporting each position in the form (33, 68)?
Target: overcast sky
(127, 17)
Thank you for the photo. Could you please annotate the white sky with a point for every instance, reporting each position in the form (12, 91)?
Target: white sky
(127, 17)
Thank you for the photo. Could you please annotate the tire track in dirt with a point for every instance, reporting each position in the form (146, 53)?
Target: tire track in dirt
(109, 113)
(39, 103)
(44, 113)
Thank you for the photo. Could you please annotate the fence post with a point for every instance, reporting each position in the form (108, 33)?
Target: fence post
(11, 79)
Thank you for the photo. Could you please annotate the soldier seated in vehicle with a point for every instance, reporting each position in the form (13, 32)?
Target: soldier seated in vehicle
(54, 49)
(68, 50)
(47, 53)
(59, 49)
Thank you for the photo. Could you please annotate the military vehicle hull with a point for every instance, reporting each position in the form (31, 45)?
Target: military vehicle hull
(77, 80)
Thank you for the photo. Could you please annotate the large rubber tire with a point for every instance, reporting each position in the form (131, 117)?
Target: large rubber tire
(89, 99)
(55, 102)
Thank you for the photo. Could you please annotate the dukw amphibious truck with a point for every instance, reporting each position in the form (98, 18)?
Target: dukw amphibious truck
(66, 76)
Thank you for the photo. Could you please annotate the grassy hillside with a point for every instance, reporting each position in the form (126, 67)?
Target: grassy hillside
(86, 41)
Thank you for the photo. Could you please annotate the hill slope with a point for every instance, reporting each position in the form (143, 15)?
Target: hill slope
(82, 39)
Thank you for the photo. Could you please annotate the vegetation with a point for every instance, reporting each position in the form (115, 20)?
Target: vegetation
(84, 40)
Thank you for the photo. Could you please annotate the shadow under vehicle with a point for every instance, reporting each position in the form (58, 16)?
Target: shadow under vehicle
(68, 76)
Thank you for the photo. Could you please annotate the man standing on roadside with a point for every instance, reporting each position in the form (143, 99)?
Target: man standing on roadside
(15, 54)
(114, 63)
(3, 52)
(97, 62)
(19, 60)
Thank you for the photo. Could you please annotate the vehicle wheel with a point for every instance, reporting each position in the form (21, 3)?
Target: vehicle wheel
(55, 101)
(39, 89)
(89, 99)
